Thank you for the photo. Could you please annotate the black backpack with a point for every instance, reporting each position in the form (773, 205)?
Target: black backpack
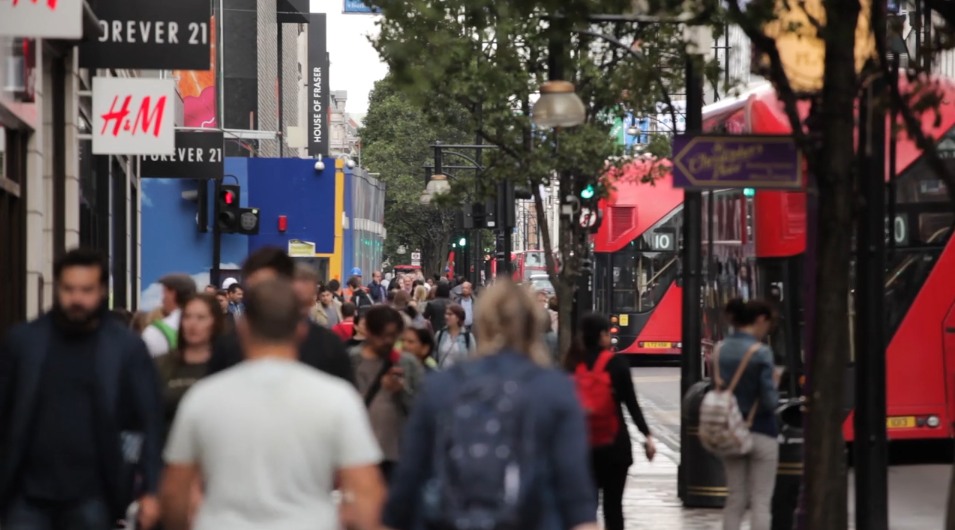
(486, 466)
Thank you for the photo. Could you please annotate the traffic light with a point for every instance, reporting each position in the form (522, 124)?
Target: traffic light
(749, 192)
(463, 242)
(588, 192)
(228, 208)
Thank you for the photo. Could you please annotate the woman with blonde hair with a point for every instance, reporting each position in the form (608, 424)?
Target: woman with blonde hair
(538, 474)
(420, 298)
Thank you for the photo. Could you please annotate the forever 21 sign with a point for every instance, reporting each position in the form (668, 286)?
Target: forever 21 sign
(198, 155)
(151, 35)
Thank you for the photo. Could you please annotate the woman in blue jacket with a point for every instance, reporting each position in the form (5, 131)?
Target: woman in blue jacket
(750, 478)
(497, 441)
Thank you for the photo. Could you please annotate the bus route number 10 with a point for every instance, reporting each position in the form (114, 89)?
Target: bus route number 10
(662, 241)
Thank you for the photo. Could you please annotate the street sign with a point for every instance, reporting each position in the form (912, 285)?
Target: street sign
(416, 258)
(728, 161)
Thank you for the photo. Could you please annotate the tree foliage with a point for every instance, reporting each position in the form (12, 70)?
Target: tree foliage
(490, 57)
(396, 136)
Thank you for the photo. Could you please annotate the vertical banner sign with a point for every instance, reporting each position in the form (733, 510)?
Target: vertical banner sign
(150, 35)
(318, 97)
(46, 19)
(198, 155)
(133, 116)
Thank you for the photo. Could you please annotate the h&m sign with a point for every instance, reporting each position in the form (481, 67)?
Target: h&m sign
(151, 35)
(133, 116)
(44, 19)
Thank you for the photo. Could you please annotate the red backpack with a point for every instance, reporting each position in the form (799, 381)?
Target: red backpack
(595, 390)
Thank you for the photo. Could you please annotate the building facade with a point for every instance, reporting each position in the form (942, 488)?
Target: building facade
(54, 194)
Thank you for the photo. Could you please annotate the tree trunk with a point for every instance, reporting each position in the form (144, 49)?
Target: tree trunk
(826, 495)
(432, 255)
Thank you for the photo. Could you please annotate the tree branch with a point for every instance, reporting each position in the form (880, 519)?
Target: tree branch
(777, 74)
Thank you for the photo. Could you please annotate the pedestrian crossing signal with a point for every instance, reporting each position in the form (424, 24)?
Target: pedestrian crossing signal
(228, 216)
(588, 192)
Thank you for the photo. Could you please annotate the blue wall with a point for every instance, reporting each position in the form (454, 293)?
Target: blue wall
(170, 238)
(292, 187)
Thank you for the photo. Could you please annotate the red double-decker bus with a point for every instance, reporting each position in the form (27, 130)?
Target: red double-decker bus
(754, 245)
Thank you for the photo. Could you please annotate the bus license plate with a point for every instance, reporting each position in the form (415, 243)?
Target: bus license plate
(657, 345)
(900, 422)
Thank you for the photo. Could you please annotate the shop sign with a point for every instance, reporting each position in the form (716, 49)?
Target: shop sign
(150, 35)
(43, 19)
(318, 87)
(133, 116)
(198, 155)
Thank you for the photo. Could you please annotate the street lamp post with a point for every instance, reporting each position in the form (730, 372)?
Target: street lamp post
(502, 208)
(555, 107)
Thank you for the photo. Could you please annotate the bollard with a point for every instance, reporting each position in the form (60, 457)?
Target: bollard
(703, 479)
(789, 471)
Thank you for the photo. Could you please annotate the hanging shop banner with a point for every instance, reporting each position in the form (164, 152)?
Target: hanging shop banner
(198, 155)
(45, 19)
(133, 116)
(150, 35)
(318, 96)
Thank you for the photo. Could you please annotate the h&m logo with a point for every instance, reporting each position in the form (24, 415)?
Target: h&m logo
(49, 3)
(147, 115)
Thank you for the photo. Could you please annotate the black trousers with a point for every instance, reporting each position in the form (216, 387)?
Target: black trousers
(27, 514)
(610, 477)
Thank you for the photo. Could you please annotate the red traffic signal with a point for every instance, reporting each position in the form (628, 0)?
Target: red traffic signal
(228, 212)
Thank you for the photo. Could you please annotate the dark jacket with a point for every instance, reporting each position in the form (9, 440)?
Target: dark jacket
(561, 438)
(434, 312)
(321, 349)
(128, 396)
(621, 451)
(756, 384)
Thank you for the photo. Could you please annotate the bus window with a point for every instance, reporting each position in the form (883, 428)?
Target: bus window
(921, 227)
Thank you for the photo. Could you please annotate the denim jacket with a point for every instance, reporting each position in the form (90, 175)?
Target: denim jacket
(756, 384)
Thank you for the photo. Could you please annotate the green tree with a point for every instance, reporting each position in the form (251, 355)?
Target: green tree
(395, 144)
(490, 57)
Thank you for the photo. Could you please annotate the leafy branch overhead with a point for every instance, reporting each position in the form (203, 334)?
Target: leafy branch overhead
(490, 57)
(396, 136)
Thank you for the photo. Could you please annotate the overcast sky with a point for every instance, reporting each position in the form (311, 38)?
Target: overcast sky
(355, 64)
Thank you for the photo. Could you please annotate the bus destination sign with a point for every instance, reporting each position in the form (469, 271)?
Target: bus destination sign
(735, 161)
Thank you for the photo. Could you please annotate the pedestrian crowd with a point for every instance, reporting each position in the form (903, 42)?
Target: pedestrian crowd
(279, 401)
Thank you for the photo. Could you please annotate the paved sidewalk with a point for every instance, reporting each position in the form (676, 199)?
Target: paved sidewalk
(650, 500)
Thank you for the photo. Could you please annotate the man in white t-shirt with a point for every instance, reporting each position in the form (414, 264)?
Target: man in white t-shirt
(269, 436)
(162, 336)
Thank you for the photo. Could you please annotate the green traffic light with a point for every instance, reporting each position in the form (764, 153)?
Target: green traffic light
(588, 192)
(749, 192)
(462, 242)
